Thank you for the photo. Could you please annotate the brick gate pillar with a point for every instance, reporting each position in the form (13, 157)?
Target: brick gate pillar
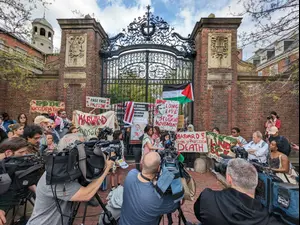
(215, 78)
(80, 63)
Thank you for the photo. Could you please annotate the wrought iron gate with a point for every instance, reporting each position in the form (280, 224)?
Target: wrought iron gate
(145, 56)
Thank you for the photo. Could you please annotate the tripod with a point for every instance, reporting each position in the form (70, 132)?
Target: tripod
(106, 212)
(170, 219)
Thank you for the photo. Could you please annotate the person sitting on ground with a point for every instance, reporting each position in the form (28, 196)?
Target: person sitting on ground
(258, 149)
(216, 130)
(141, 205)
(235, 205)
(15, 146)
(280, 164)
(283, 144)
(16, 129)
(33, 134)
(46, 211)
(235, 132)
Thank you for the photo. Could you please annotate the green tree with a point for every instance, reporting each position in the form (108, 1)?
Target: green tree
(17, 68)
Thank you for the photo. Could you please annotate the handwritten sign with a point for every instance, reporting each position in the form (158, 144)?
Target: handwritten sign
(166, 115)
(98, 103)
(191, 142)
(89, 124)
(219, 144)
(45, 106)
(140, 121)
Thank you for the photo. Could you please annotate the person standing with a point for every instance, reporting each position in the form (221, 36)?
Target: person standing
(156, 135)
(62, 123)
(7, 121)
(33, 134)
(148, 143)
(22, 120)
(216, 130)
(16, 129)
(190, 128)
(276, 119)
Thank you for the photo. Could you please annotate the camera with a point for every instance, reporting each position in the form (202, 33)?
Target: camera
(269, 118)
(109, 147)
(104, 132)
(239, 152)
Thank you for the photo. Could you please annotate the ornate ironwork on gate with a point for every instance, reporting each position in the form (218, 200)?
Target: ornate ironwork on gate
(142, 58)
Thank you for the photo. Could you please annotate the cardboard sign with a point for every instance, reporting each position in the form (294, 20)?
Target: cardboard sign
(219, 144)
(166, 115)
(140, 121)
(191, 142)
(45, 106)
(97, 102)
(89, 124)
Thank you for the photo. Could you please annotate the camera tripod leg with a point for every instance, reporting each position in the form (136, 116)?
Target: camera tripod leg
(170, 220)
(84, 214)
(106, 212)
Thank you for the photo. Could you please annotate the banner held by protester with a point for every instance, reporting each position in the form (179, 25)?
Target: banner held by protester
(191, 142)
(166, 115)
(46, 106)
(219, 144)
(89, 124)
(97, 102)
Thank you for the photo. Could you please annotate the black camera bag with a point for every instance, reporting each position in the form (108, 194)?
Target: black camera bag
(62, 167)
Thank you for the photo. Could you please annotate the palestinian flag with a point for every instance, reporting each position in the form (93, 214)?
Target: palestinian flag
(183, 93)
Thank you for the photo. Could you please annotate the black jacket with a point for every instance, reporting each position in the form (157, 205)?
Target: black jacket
(3, 135)
(230, 207)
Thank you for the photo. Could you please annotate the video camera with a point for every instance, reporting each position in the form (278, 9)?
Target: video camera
(16, 175)
(104, 132)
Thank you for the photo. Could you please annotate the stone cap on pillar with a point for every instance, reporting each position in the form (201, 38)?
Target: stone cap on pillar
(82, 23)
(217, 23)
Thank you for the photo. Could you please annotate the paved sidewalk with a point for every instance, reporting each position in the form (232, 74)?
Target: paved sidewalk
(202, 180)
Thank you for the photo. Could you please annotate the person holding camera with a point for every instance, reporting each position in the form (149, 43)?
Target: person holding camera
(53, 203)
(235, 205)
(15, 146)
(141, 204)
(115, 173)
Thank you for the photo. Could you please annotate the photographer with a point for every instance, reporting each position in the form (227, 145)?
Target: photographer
(53, 203)
(141, 204)
(117, 138)
(15, 146)
(235, 205)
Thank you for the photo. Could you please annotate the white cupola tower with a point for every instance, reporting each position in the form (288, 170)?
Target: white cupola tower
(42, 35)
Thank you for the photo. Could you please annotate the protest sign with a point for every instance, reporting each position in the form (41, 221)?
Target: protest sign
(97, 102)
(140, 121)
(45, 106)
(89, 124)
(191, 142)
(166, 115)
(219, 144)
(180, 122)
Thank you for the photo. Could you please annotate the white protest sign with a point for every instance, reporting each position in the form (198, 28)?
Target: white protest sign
(140, 121)
(191, 142)
(97, 102)
(89, 124)
(166, 115)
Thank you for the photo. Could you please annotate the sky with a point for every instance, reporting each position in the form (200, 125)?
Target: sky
(114, 15)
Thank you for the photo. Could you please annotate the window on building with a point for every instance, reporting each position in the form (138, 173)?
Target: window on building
(49, 35)
(42, 32)
(35, 30)
(42, 44)
(49, 47)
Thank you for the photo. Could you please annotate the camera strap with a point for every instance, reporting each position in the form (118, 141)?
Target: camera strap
(82, 160)
(146, 178)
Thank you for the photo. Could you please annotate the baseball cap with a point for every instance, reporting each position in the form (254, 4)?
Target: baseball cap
(41, 119)
(273, 130)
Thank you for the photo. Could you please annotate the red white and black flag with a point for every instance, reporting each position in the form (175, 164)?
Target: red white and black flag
(129, 112)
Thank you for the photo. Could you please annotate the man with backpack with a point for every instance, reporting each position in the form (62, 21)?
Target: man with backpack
(283, 144)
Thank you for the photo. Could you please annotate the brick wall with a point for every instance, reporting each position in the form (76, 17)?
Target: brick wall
(17, 101)
(253, 111)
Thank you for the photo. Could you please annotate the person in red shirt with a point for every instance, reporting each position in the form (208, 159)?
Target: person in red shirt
(276, 120)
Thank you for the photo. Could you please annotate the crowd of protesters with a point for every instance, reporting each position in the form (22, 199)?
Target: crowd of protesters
(140, 204)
